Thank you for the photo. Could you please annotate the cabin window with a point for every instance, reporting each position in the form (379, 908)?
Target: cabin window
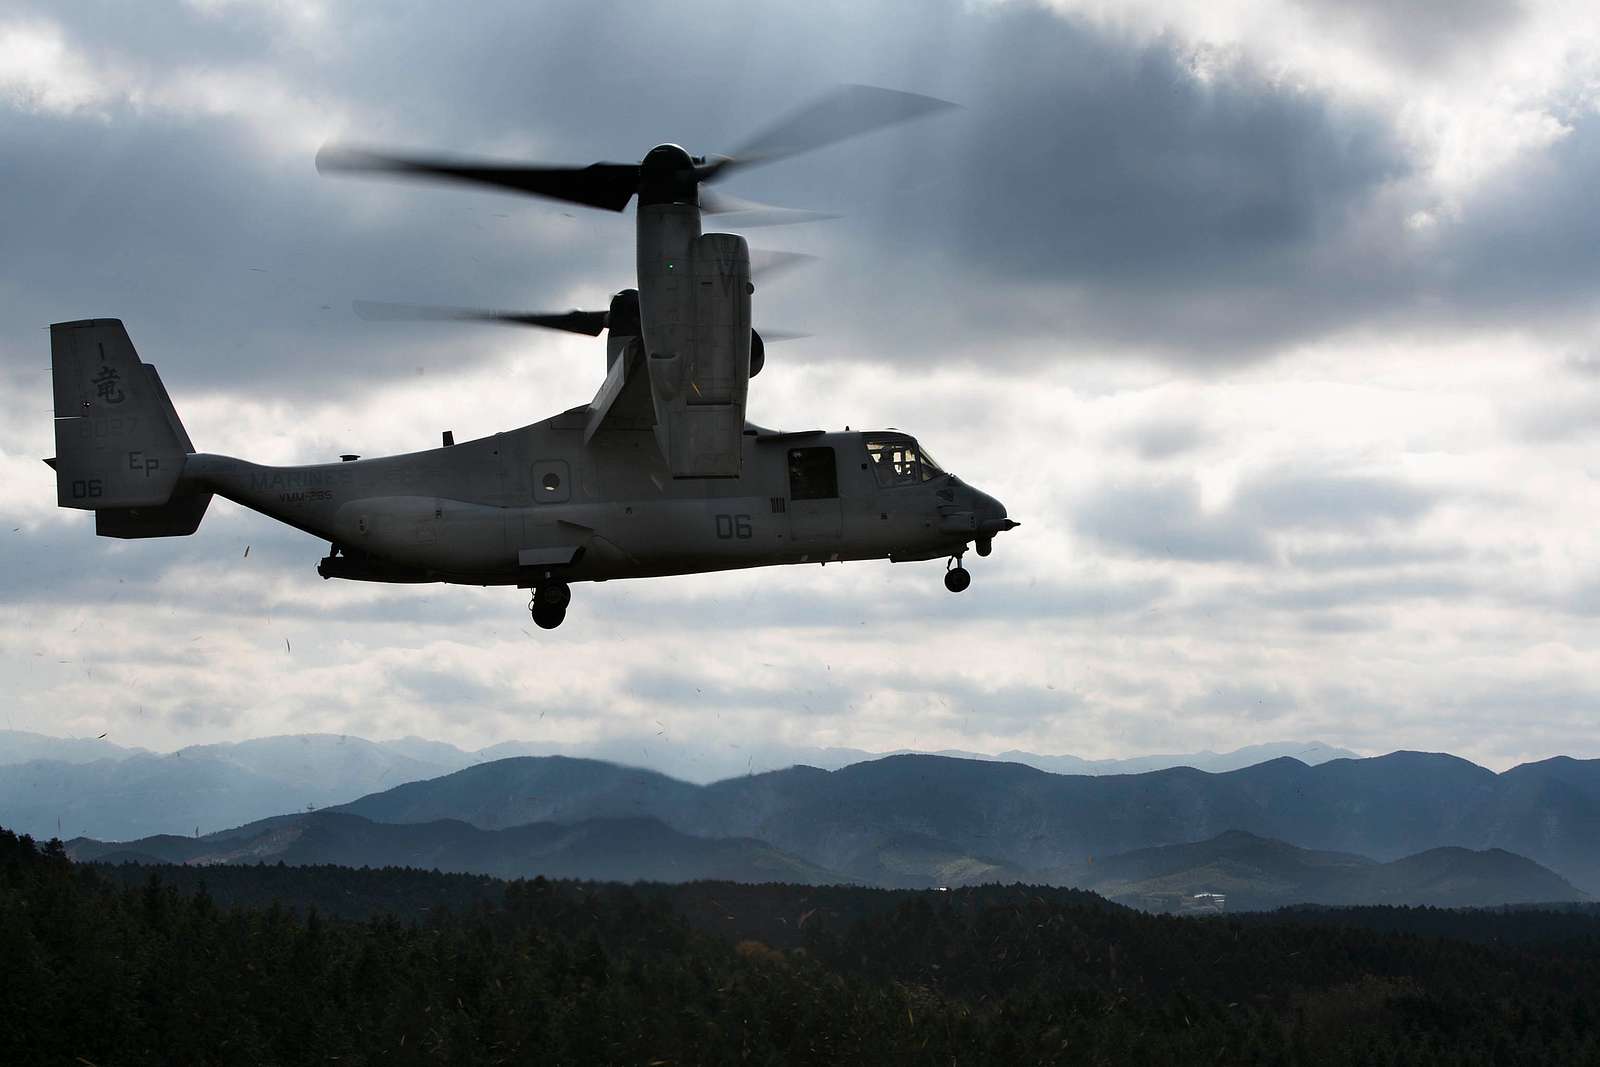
(813, 474)
(552, 482)
(898, 460)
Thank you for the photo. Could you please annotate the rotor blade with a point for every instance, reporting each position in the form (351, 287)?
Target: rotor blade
(782, 335)
(602, 185)
(744, 213)
(765, 263)
(585, 322)
(846, 112)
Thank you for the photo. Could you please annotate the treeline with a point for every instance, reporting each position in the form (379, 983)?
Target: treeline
(280, 965)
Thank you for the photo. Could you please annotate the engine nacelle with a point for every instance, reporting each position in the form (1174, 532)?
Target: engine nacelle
(699, 390)
(758, 353)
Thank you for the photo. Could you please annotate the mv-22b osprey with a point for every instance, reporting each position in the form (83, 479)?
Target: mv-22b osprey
(659, 474)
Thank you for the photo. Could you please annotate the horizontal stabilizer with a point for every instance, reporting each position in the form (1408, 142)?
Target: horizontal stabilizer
(179, 517)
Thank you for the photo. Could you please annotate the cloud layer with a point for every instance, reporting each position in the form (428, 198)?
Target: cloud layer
(1283, 354)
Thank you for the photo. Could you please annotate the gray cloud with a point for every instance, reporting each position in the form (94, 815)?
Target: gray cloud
(1252, 700)
(1093, 188)
(1165, 520)
(942, 698)
(1348, 592)
(815, 695)
(1181, 213)
(1422, 32)
(1297, 499)
(68, 563)
(1164, 438)
(1342, 622)
(1367, 554)
(1584, 598)
(1562, 423)
(993, 598)
(1119, 165)
(230, 273)
(1097, 195)
(1515, 708)
(1104, 192)
(1528, 239)
(442, 688)
(1586, 364)
(1559, 416)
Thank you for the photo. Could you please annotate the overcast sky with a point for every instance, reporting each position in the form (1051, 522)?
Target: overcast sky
(1275, 322)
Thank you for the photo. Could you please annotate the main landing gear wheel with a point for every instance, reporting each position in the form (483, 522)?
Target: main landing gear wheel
(549, 604)
(956, 577)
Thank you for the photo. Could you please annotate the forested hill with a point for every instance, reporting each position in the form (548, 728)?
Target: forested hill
(122, 966)
(901, 820)
(930, 819)
(1252, 871)
(1257, 873)
(614, 849)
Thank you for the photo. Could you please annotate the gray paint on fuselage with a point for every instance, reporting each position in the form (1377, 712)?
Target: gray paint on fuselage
(462, 513)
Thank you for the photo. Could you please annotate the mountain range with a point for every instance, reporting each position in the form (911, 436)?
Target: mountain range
(1257, 873)
(617, 850)
(902, 821)
(1351, 827)
(921, 820)
(1253, 872)
(67, 787)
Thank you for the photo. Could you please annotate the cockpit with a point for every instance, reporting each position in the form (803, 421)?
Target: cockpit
(897, 459)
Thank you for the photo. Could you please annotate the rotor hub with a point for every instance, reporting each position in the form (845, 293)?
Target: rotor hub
(667, 176)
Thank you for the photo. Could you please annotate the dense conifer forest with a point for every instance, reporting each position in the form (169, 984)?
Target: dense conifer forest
(290, 965)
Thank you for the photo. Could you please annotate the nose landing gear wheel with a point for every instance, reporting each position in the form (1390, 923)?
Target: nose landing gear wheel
(957, 578)
(549, 604)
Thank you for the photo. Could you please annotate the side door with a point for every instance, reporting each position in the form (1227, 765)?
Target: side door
(813, 494)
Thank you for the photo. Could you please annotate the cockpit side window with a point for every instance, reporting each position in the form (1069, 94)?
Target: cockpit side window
(896, 460)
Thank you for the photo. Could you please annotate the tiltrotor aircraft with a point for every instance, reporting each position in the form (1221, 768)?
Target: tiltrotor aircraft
(659, 474)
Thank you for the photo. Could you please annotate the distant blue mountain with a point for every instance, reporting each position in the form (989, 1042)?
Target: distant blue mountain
(906, 820)
(1005, 817)
(617, 850)
(90, 786)
(1252, 872)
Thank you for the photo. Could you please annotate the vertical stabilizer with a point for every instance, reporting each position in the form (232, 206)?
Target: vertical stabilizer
(120, 446)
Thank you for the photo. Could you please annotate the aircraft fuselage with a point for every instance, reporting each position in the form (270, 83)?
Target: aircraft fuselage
(537, 503)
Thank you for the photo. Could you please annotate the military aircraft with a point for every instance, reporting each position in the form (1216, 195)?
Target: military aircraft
(659, 474)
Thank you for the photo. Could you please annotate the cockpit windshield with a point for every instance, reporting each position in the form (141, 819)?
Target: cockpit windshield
(897, 459)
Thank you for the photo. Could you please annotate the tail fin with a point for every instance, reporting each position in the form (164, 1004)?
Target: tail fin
(120, 448)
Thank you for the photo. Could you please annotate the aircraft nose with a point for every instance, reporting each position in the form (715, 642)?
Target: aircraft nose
(990, 515)
(991, 519)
